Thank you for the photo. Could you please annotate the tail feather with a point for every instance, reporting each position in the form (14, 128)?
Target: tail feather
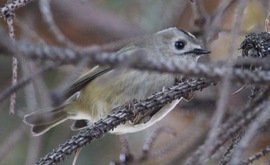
(41, 122)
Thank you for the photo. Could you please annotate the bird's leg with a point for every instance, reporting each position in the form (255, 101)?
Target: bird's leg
(189, 95)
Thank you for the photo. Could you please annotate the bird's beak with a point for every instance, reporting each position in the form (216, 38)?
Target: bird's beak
(199, 51)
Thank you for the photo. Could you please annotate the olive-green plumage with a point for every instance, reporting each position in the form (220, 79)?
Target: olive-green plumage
(98, 91)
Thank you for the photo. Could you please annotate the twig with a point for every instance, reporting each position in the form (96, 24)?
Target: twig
(199, 14)
(125, 155)
(257, 156)
(228, 154)
(267, 21)
(200, 134)
(213, 28)
(14, 83)
(201, 19)
(146, 152)
(76, 156)
(9, 143)
(59, 94)
(45, 9)
(31, 102)
(186, 136)
(251, 131)
(13, 5)
(35, 146)
(9, 17)
(234, 124)
(24, 82)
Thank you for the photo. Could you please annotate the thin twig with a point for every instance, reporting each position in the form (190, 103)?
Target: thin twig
(199, 14)
(251, 131)
(58, 94)
(256, 156)
(13, 5)
(200, 134)
(194, 130)
(234, 124)
(47, 16)
(76, 156)
(218, 14)
(125, 155)
(228, 154)
(9, 17)
(24, 82)
(31, 102)
(148, 146)
(11, 141)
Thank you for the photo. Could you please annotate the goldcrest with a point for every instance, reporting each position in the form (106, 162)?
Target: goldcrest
(97, 92)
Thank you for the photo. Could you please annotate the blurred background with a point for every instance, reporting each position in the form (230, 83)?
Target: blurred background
(86, 23)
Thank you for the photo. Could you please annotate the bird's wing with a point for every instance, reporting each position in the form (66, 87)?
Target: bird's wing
(82, 81)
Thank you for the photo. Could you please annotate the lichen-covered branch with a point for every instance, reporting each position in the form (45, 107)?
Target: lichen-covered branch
(122, 114)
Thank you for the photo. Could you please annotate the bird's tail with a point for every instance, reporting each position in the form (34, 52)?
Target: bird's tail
(41, 122)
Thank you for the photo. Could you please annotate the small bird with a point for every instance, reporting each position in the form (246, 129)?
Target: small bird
(98, 91)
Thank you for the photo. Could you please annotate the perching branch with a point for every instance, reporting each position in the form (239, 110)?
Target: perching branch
(122, 114)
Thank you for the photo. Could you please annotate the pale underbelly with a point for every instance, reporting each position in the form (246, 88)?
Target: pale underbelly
(128, 127)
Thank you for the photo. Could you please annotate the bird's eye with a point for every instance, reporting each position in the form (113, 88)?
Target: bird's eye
(180, 44)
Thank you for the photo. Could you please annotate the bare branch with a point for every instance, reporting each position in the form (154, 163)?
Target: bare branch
(9, 143)
(47, 16)
(233, 125)
(251, 131)
(24, 82)
(218, 14)
(13, 5)
(200, 16)
(228, 154)
(9, 17)
(257, 156)
(142, 62)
